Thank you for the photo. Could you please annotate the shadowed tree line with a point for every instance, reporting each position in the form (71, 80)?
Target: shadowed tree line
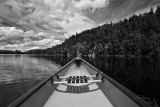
(10, 52)
(137, 35)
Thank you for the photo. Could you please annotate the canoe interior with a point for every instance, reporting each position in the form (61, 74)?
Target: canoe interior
(108, 92)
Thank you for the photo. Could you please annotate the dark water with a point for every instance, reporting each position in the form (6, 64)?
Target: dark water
(20, 73)
(140, 75)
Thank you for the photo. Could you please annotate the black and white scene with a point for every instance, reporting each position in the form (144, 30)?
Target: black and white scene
(79, 53)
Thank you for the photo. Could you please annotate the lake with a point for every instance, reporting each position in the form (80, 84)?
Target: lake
(19, 73)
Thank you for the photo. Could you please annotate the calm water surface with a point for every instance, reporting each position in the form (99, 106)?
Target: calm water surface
(19, 73)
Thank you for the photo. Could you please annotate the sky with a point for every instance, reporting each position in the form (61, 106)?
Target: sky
(41, 24)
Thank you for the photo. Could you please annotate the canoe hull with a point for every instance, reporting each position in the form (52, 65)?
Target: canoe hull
(108, 90)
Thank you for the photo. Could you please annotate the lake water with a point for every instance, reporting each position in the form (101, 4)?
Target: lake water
(19, 73)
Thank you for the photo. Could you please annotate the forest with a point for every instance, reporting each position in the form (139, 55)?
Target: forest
(137, 35)
(10, 52)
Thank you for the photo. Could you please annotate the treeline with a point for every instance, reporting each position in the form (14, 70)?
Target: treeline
(137, 35)
(10, 52)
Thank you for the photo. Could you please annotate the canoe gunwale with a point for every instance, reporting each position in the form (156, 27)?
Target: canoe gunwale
(24, 97)
(129, 93)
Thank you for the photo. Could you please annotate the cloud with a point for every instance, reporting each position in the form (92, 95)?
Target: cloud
(13, 39)
(44, 23)
(91, 4)
(77, 24)
(53, 16)
(132, 7)
(64, 16)
(10, 31)
(120, 9)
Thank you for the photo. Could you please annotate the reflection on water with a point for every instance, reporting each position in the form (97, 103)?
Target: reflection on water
(13, 68)
(140, 75)
(19, 73)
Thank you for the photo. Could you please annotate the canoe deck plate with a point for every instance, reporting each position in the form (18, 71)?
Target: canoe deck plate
(77, 89)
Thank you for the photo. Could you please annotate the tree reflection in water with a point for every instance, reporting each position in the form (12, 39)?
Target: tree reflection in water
(140, 75)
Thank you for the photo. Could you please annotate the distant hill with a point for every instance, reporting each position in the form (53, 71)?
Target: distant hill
(137, 35)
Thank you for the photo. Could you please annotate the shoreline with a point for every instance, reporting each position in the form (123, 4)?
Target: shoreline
(131, 56)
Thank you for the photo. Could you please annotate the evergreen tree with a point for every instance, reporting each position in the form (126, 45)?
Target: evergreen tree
(157, 14)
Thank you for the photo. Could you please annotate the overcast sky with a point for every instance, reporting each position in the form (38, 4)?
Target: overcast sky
(40, 24)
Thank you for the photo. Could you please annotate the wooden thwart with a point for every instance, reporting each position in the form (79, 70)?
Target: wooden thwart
(76, 79)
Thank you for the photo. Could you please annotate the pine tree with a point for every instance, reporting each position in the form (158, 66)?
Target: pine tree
(157, 14)
(150, 19)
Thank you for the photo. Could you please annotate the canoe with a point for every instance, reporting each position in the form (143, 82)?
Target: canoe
(79, 84)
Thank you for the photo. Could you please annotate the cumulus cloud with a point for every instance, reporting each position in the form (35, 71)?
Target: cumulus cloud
(13, 39)
(7, 31)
